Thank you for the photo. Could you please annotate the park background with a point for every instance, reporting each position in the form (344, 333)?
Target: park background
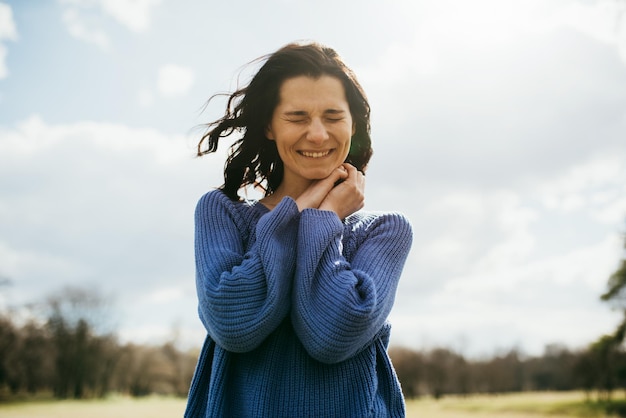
(498, 127)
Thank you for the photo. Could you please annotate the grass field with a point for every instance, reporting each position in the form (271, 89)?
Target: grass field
(525, 405)
(518, 405)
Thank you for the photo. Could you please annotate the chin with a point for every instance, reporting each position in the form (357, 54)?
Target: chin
(319, 175)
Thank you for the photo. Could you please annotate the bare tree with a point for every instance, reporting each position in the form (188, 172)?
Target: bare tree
(410, 368)
(80, 335)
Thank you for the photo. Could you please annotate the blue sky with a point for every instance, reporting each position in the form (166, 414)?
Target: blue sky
(499, 129)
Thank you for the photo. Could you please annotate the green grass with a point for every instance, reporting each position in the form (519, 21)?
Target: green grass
(548, 404)
(113, 407)
(519, 405)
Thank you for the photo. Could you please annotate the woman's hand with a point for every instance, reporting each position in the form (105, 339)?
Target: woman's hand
(348, 196)
(317, 192)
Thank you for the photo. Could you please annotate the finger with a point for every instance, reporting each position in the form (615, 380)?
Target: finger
(348, 167)
(338, 175)
(351, 171)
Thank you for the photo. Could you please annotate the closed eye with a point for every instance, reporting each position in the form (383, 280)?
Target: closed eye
(297, 116)
(335, 115)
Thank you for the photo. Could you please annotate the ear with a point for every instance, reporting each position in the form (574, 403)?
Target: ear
(269, 134)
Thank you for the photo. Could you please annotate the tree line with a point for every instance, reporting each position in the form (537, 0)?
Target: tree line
(66, 356)
(440, 371)
(70, 353)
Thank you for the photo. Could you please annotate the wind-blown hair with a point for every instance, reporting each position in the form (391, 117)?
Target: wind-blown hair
(253, 159)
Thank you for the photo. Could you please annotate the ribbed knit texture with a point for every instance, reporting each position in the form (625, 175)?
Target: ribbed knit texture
(295, 306)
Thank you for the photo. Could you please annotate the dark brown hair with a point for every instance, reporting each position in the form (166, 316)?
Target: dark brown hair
(253, 159)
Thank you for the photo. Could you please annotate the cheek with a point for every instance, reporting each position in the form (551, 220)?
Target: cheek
(349, 135)
(283, 148)
(346, 150)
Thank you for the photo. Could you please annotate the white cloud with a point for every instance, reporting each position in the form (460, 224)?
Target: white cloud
(478, 230)
(604, 20)
(115, 139)
(98, 203)
(596, 186)
(483, 24)
(8, 31)
(524, 100)
(24, 262)
(164, 295)
(84, 18)
(145, 98)
(502, 295)
(515, 266)
(134, 14)
(80, 29)
(536, 301)
(444, 28)
(479, 329)
(590, 265)
(174, 80)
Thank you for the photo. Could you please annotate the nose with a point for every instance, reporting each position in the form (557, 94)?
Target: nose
(317, 132)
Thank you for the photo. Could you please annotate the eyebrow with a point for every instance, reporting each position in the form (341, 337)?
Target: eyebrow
(305, 113)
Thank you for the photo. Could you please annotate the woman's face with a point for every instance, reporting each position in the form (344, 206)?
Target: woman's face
(312, 127)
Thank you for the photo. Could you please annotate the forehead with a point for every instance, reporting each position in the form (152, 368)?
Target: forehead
(305, 91)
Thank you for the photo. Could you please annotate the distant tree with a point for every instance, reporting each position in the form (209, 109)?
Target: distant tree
(145, 370)
(586, 373)
(8, 343)
(65, 346)
(37, 367)
(410, 368)
(106, 356)
(440, 371)
(555, 370)
(504, 373)
(603, 355)
(616, 295)
(608, 349)
(77, 325)
(183, 366)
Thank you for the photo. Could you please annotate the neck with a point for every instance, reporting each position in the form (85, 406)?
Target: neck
(287, 188)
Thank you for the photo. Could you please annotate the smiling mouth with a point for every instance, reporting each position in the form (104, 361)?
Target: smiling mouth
(316, 154)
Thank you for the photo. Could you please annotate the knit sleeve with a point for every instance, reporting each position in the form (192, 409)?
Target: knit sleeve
(243, 294)
(340, 306)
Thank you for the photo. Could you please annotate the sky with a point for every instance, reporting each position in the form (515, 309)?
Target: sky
(498, 126)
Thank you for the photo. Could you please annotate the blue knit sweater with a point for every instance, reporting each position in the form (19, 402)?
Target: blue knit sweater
(295, 305)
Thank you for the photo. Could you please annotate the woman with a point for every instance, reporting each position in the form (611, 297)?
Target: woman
(294, 289)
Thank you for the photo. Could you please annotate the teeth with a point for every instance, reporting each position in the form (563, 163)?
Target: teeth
(315, 154)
